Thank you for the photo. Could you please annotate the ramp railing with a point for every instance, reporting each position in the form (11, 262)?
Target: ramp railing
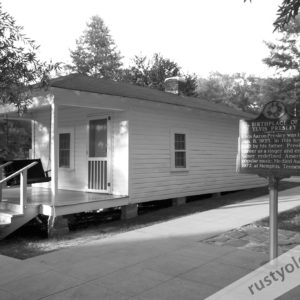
(23, 183)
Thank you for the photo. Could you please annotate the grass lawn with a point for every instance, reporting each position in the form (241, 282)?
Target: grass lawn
(287, 220)
(255, 236)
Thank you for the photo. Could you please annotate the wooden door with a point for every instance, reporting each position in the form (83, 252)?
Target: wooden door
(98, 155)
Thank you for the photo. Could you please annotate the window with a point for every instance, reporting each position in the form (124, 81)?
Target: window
(98, 138)
(65, 150)
(179, 151)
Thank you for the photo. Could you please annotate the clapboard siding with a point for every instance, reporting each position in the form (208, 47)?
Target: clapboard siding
(183, 182)
(74, 120)
(212, 149)
(120, 153)
(41, 140)
(140, 164)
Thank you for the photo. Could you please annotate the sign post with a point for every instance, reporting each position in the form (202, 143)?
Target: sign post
(273, 192)
(269, 146)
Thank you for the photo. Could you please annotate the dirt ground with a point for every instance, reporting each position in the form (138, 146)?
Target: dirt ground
(26, 243)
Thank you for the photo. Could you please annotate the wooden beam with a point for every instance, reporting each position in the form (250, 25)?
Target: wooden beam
(1, 174)
(23, 190)
(18, 172)
(74, 208)
(54, 150)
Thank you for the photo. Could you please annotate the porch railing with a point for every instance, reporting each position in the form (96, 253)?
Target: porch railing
(97, 174)
(1, 175)
(23, 182)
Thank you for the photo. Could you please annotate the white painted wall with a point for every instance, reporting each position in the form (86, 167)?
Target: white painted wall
(212, 149)
(41, 140)
(75, 120)
(120, 153)
(141, 152)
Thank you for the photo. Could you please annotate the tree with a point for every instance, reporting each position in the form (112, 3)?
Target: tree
(153, 72)
(242, 92)
(287, 11)
(247, 93)
(279, 89)
(231, 90)
(284, 57)
(19, 66)
(285, 52)
(190, 86)
(96, 53)
(15, 139)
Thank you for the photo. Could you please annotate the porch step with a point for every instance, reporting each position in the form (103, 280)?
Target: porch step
(6, 216)
(8, 206)
(5, 219)
(11, 220)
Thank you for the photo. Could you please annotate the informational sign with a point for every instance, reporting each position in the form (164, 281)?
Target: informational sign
(270, 144)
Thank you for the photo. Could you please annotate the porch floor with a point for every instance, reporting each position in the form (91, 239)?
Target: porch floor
(66, 202)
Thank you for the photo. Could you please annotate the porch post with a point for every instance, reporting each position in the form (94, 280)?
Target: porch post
(54, 150)
(1, 177)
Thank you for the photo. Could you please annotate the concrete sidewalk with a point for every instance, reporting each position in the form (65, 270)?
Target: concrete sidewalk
(163, 261)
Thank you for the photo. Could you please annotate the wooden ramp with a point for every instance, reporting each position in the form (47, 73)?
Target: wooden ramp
(13, 215)
(11, 218)
(39, 201)
(21, 204)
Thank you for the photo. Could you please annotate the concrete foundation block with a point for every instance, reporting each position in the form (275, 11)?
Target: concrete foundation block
(218, 194)
(57, 226)
(129, 211)
(179, 201)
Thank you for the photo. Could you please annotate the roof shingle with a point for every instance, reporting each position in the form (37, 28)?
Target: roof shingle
(85, 83)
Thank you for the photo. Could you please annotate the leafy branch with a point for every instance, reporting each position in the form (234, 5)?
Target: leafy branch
(20, 68)
(287, 11)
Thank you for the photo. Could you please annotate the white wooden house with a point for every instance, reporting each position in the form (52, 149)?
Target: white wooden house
(114, 144)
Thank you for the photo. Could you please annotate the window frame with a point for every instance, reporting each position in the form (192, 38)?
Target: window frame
(71, 132)
(173, 132)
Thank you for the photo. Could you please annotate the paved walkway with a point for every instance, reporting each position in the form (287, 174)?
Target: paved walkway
(163, 261)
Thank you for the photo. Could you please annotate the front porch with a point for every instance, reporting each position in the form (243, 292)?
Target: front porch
(66, 202)
(81, 138)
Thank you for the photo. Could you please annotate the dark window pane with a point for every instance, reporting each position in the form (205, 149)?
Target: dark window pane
(98, 138)
(64, 158)
(179, 141)
(64, 141)
(180, 159)
(64, 150)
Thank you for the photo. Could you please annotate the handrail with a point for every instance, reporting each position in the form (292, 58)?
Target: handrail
(18, 172)
(5, 164)
(23, 185)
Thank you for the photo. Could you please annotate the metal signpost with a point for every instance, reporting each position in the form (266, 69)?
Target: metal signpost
(269, 146)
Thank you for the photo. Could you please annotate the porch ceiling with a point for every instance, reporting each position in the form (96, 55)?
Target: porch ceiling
(14, 115)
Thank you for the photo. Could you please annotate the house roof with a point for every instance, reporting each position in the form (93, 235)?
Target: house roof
(85, 83)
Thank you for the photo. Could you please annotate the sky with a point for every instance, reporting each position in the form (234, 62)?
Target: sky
(202, 36)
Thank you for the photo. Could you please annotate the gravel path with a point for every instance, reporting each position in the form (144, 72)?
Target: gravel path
(256, 238)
